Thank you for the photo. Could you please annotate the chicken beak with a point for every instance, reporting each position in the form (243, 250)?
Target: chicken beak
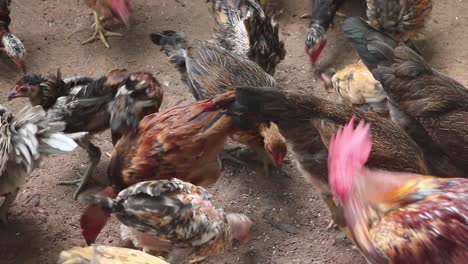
(12, 95)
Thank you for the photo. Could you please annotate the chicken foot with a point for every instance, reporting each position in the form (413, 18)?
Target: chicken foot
(9, 199)
(94, 156)
(100, 33)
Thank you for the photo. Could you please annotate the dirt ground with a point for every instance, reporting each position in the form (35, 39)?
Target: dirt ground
(290, 217)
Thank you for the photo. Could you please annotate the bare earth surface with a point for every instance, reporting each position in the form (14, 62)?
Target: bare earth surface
(290, 217)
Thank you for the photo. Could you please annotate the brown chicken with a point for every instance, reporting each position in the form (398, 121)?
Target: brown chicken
(397, 217)
(176, 213)
(25, 137)
(355, 86)
(9, 43)
(98, 254)
(308, 122)
(105, 10)
(182, 142)
(432, 107)
(210, 70)
(83, 104)
(404, 19)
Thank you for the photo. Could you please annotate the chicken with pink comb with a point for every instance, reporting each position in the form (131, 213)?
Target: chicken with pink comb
(397, 217)
(105, 10)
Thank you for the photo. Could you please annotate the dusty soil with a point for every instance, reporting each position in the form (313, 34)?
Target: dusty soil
(290, 217)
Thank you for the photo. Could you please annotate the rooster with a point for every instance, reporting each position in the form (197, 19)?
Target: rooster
(397, 217)
(83, 104)
(107, 10)
(10, 44)
(182, 142)
(178, 213)
(404, 19)
(432, 107)
(24, 139)
(210, 70)
(98, 254)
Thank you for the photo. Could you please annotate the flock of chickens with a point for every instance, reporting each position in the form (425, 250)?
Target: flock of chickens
(369, 155)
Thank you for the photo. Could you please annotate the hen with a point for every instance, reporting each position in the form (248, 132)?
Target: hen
(10, 44)
(210, 70)
(431, 106)
(176, 213)
(82, 103)
(404, 19)
(98, 254)
(308, 122)
(24, 139)
(356, 86)
(182, 142)
(397, 217)
(107, 10)
(244, 28)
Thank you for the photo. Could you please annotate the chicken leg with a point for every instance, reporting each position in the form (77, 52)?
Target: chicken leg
(9, 199)
(100, 33)
(94, 156)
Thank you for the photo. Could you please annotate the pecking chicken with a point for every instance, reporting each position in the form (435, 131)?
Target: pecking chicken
(210, 70)
(97, 254)
(103, 10)
(24, 139)
(355, 86)
(397, 217)
(83, 104)
(432, 107)
(182, 142)
(308, 122)
(404, 19)
(178, 214)
(244, 28)
(10, 44)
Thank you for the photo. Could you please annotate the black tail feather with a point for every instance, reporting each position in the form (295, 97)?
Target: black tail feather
(257, 104)
(374, 47)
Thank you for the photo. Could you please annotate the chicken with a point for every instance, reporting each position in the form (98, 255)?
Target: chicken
(210, 70)
(323, 12)
(82, 103)
(179, 213)
(308, 122)
(107, 10)
(244, 28)
(404, 19)
(397, 217)
(432, 107)
(24, 139)
(356, 86)
(10, 44)
(182, 142)
(98, 254)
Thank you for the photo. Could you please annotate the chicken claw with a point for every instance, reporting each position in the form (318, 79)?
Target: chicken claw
(100, 33)
(9, 199)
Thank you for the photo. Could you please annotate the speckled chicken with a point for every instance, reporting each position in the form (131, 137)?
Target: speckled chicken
(397, 217)
(25, 137)
(308, 122)
(9, 43)
(404, 19)
(182, 142)
(83, 104)
(210, 70)
(246, 29)
(105, 10)
(355, 86)
(178, 213)
(432, 107)
(98, 254)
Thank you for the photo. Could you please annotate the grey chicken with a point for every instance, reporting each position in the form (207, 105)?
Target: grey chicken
(432, 107)
(24, 139)
(9, 43)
